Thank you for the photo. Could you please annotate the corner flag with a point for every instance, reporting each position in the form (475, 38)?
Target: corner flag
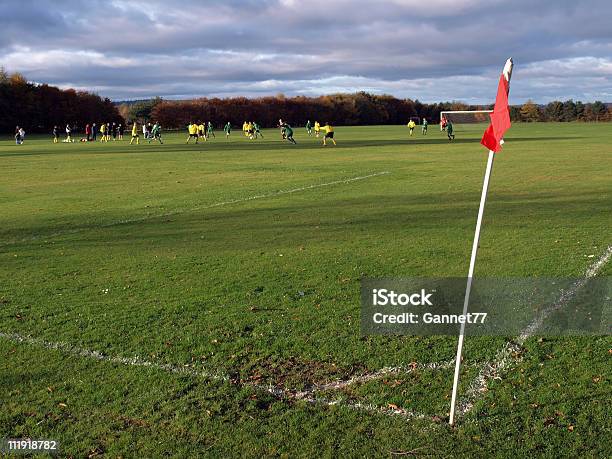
(493, 140)
(500, 118)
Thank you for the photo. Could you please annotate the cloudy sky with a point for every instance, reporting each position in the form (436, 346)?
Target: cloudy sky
(427, 49)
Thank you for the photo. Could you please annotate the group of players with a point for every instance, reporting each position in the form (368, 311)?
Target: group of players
(203, 131)
(445, 125)
(106, 131)
(252, 130)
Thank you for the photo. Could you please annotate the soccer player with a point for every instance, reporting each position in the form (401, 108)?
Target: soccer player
(156, 133)
(227, 129)
(244, 129)
(424, 127)
(18, 136)
(135, 135)
(193, 132)
(55, 134)
(120, 131)
(145, 131)
(256, 130)
(249, 128)
(68, 133)
(329, 134)
(210, 130)
(317, 129)
(443, 123)
(288, 133)
(308, 127)
(103, 132)
(114, 131)
(202, 131)
(449, 131)
(88, 132)
(411, 124)
(94, 132)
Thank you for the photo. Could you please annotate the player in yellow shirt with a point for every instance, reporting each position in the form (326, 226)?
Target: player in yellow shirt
(244, 129)
(411, 125)
(193, 132)
(317, 128)
(135, 134)
(329, 134)
(103, 132)
(202, 131)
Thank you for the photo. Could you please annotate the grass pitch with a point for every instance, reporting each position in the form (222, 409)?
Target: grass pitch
(150, 295)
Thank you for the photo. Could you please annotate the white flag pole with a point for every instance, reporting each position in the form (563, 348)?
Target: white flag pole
(507, 72)
(468, 287)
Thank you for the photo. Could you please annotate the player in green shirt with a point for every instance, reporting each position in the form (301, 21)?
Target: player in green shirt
(288, 132)
(256, 130)
(308, 127)
(424, 127)
(156, 133)
(449, 130)
(227, 129)
(210, 130)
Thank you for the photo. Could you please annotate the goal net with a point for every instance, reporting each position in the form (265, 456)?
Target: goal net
(466, 120)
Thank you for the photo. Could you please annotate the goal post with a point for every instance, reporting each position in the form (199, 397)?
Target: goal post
(465, 117)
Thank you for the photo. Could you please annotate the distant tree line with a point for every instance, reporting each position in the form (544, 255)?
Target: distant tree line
(39, 107)
(561, 111)
(350, 109)
(339, 109)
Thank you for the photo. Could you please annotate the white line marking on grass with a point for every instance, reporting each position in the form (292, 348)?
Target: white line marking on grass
(504, 358)
(309, 395)
(193, 209)
(96, 355)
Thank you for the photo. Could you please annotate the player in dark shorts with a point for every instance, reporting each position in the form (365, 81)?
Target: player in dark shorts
(288, 132)
(329, 134)
(193, 132)
(449, 130)
(256, 130)
(210, 130)
(156, 133)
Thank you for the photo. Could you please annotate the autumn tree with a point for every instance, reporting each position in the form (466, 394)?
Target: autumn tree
(530, 112)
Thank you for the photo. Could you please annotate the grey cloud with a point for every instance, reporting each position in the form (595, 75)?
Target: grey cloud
(414, 49)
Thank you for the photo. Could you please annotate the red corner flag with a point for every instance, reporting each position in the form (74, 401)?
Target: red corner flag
(500, 118)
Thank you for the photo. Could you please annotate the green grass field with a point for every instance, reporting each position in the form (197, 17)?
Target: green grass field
(204, 274)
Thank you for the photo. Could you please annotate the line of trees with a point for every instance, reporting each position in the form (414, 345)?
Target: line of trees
(351, 109)
(39, 107)
(562, 111)
(340, 109)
